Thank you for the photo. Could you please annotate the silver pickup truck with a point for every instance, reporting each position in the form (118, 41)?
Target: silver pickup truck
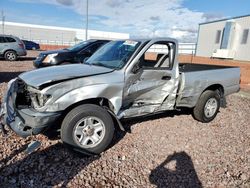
(123, 79)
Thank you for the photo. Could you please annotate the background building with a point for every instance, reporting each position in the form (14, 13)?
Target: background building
(227, 38)
(55, 35)
(50, 37)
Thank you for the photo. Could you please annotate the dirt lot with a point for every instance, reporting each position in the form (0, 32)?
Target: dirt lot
(167, 150)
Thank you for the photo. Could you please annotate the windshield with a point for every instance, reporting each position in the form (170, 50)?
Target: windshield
(78, 46)
(114, 54)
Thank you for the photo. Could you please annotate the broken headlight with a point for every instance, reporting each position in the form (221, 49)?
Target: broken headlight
(38, 99)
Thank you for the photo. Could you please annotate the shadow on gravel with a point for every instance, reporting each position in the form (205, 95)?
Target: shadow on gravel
(26, 58)
(55, 165)
(13, 154)
(128, 123)
(7, 76)
(176, 171)
(21, 59)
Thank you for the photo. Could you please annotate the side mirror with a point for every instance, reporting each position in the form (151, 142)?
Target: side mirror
(85, 60)
(136, 68)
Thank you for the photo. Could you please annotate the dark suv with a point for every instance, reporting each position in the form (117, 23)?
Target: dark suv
(30, 45)
(11, 47)
(74, 54)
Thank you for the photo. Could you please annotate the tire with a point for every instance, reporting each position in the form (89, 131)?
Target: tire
(33, 48)
(10, 55)
(207, 106)
(80, 129)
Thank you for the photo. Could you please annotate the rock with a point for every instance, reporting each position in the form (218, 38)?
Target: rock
(243, 177)
(81, 176)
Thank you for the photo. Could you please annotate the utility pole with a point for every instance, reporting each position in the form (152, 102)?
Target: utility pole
(87, 19)
(30, 34)
(62, 38)
(3, 19)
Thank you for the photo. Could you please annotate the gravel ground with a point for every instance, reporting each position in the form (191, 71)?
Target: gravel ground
(167, 150)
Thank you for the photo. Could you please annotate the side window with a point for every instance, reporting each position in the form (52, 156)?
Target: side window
(245, 36)
(9, 39)
(218, 35)
(1, 39)
(94, 47)
(160, 55)
(6, 39)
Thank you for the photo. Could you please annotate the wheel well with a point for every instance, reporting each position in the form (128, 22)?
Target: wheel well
(98, 101)
(9, 51)
(216, 87)
(104, 102)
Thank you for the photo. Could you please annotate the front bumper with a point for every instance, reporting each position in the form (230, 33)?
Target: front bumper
(39, 64)
(25, 122)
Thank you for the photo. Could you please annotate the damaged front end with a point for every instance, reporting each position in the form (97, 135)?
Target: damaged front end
(19, 109)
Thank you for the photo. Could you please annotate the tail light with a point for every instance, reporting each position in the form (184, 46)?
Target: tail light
(21, 45)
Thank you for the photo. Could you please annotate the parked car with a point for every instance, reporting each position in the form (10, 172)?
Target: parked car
(30, 45)
(74, 54)
(11, 47)
(124, 79)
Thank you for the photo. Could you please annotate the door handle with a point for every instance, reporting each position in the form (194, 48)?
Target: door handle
(166, 78)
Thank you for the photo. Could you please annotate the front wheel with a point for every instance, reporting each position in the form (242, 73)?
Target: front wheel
(88, 128)
(207, 106)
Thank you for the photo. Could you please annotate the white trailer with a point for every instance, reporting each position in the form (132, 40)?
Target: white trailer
(227, 39)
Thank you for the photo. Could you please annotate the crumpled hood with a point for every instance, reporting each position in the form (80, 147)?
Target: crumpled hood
(40, 78)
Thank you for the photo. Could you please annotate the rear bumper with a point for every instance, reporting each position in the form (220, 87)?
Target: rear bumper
(21, 52)
(25, 122)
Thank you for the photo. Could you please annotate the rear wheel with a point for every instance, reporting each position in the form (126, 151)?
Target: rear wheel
(88, 128)
(10, 56)
(207, 106)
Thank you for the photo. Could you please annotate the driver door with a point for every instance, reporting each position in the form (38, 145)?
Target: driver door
(152, 85)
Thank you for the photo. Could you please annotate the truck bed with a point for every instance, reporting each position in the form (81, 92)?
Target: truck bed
(188, 67)
(195, 78)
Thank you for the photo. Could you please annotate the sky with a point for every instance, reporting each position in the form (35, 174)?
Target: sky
(139, 18)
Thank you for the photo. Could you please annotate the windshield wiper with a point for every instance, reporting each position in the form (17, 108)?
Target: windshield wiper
(101, 65)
